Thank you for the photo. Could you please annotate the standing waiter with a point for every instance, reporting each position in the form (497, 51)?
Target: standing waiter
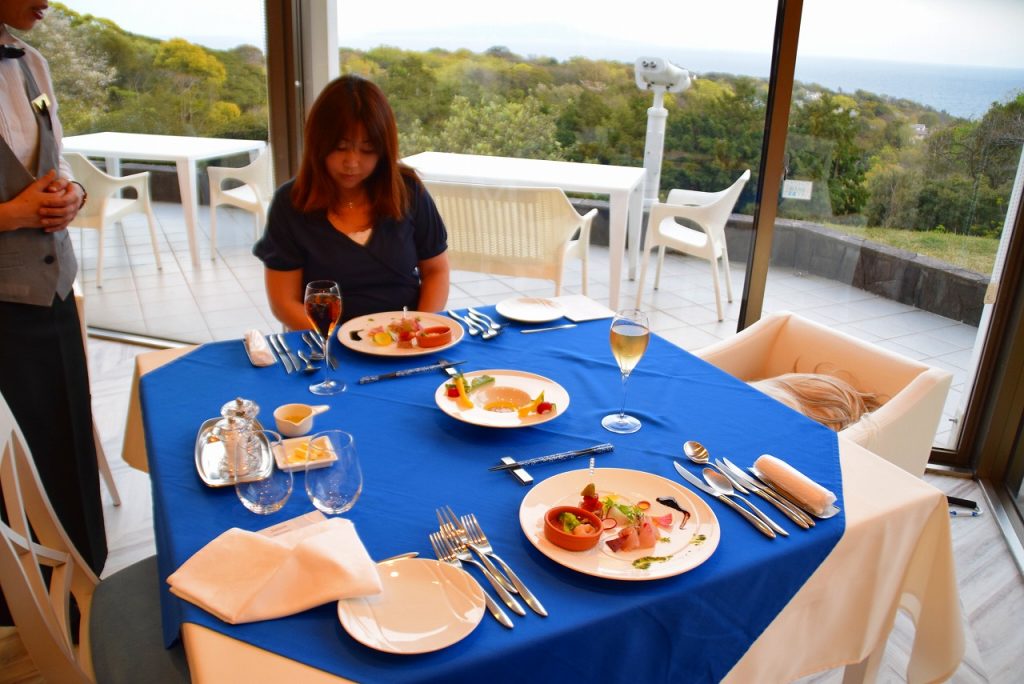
(43, 373)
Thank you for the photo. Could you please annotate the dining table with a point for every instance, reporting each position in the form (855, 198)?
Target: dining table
(182, 150)
(624, 186)
(754, 609)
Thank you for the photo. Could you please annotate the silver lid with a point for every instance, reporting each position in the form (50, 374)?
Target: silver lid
(241, 408)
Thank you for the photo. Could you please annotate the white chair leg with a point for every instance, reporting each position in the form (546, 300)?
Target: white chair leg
(104, 466)
(644, 258)
(99, 257)
(213, 231)
(585, 267)
(152, 237)
(661, 262)
(718, 288)
(728, 272)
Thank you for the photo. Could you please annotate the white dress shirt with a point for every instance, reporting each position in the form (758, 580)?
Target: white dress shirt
(18, 125)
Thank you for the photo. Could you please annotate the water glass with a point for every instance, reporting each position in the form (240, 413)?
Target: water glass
(334, 479)
(268, 489)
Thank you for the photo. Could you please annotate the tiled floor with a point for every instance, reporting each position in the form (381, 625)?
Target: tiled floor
(224, 297)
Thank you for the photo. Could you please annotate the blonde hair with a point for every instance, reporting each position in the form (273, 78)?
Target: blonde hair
(833, 402)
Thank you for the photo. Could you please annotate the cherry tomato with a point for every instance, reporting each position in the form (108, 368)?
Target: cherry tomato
(545, 407)
(452, 391)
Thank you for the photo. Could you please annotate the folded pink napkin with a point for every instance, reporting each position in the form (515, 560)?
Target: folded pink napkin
(806, 491)
(245, 576)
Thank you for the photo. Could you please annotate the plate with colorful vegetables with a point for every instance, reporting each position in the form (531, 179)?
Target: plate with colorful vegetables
(640, 536)
(400, 333)
(502, 398)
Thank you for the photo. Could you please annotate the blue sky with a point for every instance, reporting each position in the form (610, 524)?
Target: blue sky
(974, 32)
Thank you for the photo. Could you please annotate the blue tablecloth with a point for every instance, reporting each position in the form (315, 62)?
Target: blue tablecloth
(692, 627)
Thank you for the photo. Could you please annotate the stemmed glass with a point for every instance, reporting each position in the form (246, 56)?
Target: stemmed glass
(334, 479)
(629, 336)
(323, 309)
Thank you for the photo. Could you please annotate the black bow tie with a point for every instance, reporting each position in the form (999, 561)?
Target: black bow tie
(8, 52)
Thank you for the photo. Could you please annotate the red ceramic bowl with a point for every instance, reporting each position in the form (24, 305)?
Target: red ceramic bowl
(554, 533)
(434, 337)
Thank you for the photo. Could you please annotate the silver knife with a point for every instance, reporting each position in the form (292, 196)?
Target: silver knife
(792, 512)
(276, 346)
(554, 327)
(704, 487)
(291, 357)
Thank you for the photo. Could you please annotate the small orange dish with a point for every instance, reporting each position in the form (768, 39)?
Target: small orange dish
(556, 534)
(435, 336)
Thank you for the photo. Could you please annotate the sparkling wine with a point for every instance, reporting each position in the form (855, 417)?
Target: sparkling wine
(323, 310)
(629, 342)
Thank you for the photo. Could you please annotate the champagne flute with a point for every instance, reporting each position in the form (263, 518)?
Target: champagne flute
(629, 336)
(323, 309)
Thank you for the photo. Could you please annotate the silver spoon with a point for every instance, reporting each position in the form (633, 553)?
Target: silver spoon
(481, 317)
(723, 486)
(471, 325)
(315, 350)
(310, 368)
(696, 452)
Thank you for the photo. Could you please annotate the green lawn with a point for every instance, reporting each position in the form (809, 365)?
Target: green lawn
(976, 254)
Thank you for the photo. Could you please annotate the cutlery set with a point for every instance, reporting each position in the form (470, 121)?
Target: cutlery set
(300, 361)
(725, 481)
(478, 323)
(461, 540)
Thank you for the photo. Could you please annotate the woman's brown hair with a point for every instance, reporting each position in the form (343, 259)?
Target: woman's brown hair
(345, 103)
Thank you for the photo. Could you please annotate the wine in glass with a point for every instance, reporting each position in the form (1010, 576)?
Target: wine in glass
(629, 336)
(323, 309)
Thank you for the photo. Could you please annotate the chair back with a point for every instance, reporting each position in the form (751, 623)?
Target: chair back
(900, 431)
(31, 539)
(710, 209)
(98, 184)
(515, 231)
(257, 175)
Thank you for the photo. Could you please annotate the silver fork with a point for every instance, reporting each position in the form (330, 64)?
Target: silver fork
(481, 317)
(477, 536)
(319, 339)
(446, 554)
(451, 528)
(316, 352)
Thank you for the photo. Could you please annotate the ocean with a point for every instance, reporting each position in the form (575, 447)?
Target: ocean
(964, 91)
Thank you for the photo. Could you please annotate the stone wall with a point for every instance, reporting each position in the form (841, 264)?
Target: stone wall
(913, 279)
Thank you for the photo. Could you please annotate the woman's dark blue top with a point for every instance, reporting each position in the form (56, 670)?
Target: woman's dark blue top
(381, 275)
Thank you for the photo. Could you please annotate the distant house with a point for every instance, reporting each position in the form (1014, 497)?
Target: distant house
(920, 131)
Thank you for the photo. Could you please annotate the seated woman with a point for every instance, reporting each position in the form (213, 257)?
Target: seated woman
(831, 401)
(354, 214)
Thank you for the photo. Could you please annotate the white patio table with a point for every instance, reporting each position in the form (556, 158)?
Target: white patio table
(624, 186)
(184, 151)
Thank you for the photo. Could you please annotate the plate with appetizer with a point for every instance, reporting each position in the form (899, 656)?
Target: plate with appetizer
(530, 309)
(619, 524)
(423, 606)
(400, 333)
(502, 398)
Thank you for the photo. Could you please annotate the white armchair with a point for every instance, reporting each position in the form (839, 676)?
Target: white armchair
(515, 231)
(253, 195)
(901, 431)
(106, 206)
(709, 211)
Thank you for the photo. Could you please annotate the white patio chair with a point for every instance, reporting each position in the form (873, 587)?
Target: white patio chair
(106, 206)
(901, 431)
(119, 638)
(253, 195)
(513, 231)
(709, 211)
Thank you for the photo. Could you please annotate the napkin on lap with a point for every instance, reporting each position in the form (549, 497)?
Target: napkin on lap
(257, 348)
(245, 576)
(816, 498)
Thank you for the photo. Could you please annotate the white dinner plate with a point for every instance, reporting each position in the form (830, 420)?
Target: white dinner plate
(352, 334)
(684, 549)
(424, 606)
(510, 385)
(530, 309)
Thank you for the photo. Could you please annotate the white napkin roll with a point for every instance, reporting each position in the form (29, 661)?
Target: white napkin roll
(257, 348)
(806, 491)
(245, 576)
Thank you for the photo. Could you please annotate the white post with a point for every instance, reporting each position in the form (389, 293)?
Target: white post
(319, 47)
(657, 115)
